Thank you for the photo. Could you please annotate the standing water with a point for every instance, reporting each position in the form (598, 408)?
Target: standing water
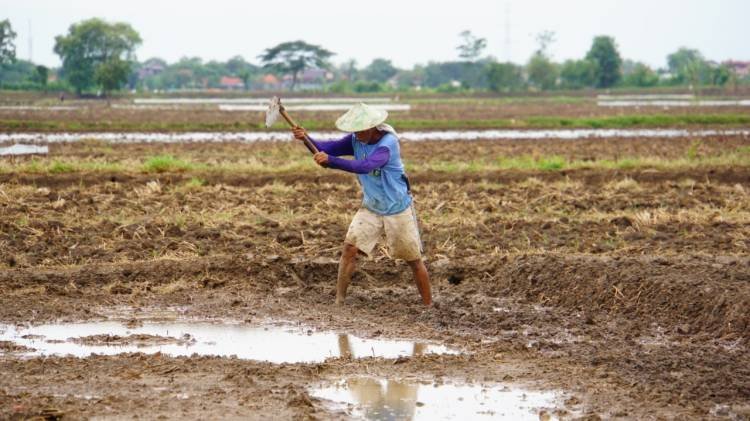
(386, 399)
(276, 344)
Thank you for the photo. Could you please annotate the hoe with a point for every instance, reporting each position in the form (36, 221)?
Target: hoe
(275, 109)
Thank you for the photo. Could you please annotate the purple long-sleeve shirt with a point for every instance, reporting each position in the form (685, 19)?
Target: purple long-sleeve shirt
(343, 147)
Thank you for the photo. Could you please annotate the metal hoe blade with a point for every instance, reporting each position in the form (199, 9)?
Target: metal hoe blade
(272, 113)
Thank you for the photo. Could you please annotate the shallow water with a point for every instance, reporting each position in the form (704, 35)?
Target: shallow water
(20, 149)
(263, 101)
(272, 343)
(314, 107)
(672, 103)
(646, 97)
(38, 108)
(385, 399)
(249, 137)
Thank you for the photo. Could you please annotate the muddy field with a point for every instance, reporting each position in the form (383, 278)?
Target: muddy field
(625, 290)
(48, 114)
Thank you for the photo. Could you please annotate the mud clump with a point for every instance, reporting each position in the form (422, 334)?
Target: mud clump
(456, 278)
(12, 347)
(139, 340)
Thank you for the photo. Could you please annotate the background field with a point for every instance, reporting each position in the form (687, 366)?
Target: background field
(614, 269)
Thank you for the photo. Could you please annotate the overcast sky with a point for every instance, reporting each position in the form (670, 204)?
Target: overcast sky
(406, 31)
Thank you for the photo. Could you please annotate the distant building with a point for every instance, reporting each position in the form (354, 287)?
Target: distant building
(741, 68)
(151, 67)
(269, 82)
(230, 82)
(310, 79)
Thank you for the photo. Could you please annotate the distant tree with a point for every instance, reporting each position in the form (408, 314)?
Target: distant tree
(93, 43)
(362, 86)
(17, 73)
(111, 75)
(720, 75)
(246, 76)
(7, 45)
(608, 61)
(544, 39)
(577, 74)
(688, 66)
(349, 69)
(640, 75)
(504, 77)
(409, 79)
(294, 57)
(471, 47)
(467, 73)
(542, 71)
(380, 70)
(236, 65)
(41, 74)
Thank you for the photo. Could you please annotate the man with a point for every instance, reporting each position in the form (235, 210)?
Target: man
(387, 204)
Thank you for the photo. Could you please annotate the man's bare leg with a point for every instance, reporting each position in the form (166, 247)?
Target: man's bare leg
(347, 265)
(422, 278)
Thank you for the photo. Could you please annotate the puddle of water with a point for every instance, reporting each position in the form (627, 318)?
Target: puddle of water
(39, 108)
(20, 149)
(249, 137)
(315, 107)
(380, 399)
(276, 344)
(646, 97)
(670, 103)
(261, 101)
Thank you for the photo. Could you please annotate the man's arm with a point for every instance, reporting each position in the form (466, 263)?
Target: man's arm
(340, 147)
(361, 166)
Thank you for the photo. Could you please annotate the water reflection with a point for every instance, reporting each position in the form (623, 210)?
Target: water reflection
(389, 399)
(384, 400)
(347, 351)
(273, 343)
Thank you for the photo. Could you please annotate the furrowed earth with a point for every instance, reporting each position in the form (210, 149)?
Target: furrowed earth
(625, 287)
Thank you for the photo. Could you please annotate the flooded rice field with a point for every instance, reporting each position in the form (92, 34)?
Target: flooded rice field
(280, 136)
(21, 149)
(261, 101)
(667, 101)
(601, 292)
(676, 103)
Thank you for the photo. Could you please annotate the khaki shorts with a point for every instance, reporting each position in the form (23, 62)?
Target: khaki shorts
(401, 233)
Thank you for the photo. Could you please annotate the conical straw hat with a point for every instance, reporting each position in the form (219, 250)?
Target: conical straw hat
(361, 117)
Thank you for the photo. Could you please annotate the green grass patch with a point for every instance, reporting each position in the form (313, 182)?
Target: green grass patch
(166, 163)
(59, 167)
(527, 162)
(195, 182)
(552, 163)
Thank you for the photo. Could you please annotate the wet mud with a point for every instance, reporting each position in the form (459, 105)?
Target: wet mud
(625, 291)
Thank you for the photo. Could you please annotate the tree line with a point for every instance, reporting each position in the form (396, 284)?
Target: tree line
(99, 56)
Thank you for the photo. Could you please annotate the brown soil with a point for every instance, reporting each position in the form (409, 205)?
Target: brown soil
(137, 340)
(99, 115)
(628, 290)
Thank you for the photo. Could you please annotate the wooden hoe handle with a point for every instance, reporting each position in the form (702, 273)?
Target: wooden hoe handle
(308, 143)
